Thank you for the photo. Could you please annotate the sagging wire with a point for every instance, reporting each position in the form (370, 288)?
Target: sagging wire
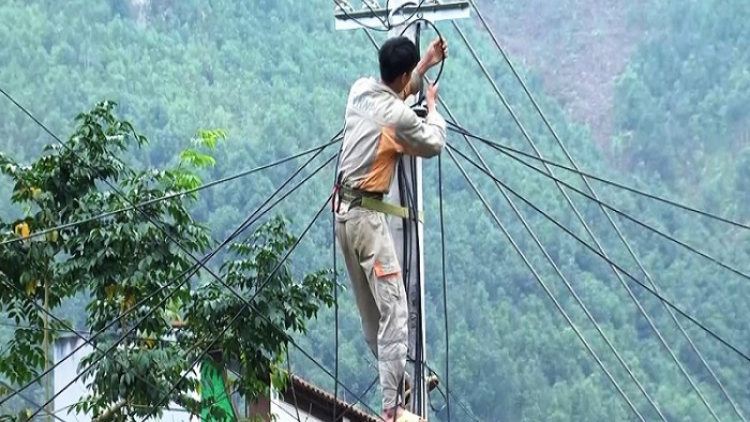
(623, 271)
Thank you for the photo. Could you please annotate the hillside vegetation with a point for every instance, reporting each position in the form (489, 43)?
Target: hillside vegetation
(671, 117)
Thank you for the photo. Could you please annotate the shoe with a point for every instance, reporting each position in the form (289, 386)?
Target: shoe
(432, 383)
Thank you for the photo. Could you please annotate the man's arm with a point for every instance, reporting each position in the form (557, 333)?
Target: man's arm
(416, 79)
(421, 139)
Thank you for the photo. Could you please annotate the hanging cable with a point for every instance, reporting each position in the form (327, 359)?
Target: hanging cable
(562, 277)
(550, 294)
(171, 195)
(609, 218)
(249, 305)
(10, 388)
(231, 322)
(192, 270)
(566, 230)
(624, 214)
(445, 284)
(588, 229)
(291, 382)
(108, 351)
(351, 406)
(507, 150)
(335, 289)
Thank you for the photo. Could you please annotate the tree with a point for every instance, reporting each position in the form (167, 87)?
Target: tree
(134, 265)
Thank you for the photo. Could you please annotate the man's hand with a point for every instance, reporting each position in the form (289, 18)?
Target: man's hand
(436, 53)
(431, 96)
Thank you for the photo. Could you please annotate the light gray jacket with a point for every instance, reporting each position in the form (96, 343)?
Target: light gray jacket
(379, 128)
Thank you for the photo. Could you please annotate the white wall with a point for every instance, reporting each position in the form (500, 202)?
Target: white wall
(286, 412)
(72, 394)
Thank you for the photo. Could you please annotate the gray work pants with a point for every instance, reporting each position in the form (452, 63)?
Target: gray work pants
(375, 276)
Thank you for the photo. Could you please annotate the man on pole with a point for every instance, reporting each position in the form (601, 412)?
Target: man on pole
(379, 128)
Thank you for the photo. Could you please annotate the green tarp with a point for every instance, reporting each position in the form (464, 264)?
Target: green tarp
(214, 393)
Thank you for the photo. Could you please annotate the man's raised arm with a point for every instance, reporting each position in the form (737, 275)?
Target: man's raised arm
(421, 139)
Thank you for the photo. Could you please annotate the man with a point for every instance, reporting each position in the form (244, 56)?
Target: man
(379, 128)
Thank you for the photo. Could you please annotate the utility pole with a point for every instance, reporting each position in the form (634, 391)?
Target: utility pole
(406, 189)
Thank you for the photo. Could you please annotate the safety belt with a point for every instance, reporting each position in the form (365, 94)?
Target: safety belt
(374, 202)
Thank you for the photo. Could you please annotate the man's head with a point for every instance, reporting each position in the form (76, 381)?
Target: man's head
(398, 57)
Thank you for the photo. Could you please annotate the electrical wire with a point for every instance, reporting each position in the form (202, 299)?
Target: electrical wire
(291, 382)
(588, 230)
(445, 284)
(570, 289)
(249, 305)
(549, 293)
(609, 218)
(655, 294)
(351, 406)
(105, 353)
(507, 150)
(170, 196)
(10, 388)
(252, 218)
(335, 289)
(157, 225)
(627, 216)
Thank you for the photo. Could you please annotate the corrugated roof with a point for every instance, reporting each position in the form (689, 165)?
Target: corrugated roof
(352, 413)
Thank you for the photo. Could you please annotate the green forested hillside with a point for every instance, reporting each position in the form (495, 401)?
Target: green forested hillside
(274, 75)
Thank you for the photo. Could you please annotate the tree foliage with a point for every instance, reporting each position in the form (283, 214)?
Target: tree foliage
(133, 264)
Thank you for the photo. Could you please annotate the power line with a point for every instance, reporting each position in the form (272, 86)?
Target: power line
(105, 353)
(505, 149)
(170, 196)
(551, 295)
(609, 218)
(544, 286)
(111, 186)
(252, 218)
(585, 226)
(606, 205)
(200, 263)
(445, 284)
(10, 388)
(248, 303)
(657, 295)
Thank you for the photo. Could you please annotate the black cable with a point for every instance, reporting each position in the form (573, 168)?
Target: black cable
(335, 287)
(351, 406)
(445, 284)
(252, 218)
(507, 150)
(249, 305)
(622, 213)
(291, 382)
(28, 400)
(442, 62)
(104, 179)
(565, 281)
(586, 227)
(172, 195)
(550, 294)
(236, 232)
(657, 295)
(105, 353)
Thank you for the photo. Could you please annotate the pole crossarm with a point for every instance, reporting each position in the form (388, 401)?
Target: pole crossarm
(347, 18)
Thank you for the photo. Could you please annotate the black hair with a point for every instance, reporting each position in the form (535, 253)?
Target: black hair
(397, 56)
